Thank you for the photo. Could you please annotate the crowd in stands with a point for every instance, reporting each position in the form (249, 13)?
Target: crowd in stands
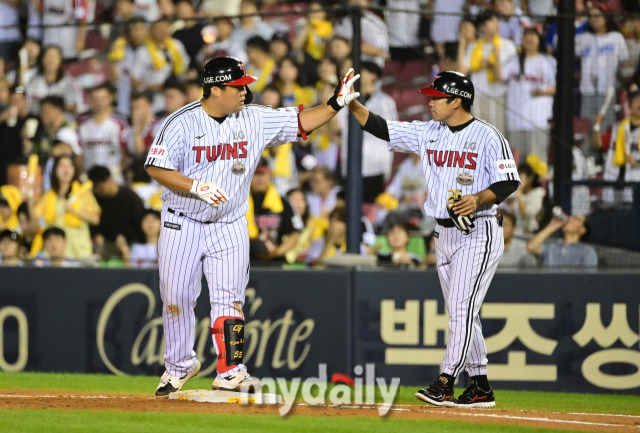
(85, 86)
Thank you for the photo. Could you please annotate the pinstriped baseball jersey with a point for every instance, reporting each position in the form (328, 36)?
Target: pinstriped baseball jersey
(226, 153)
(528, 112)
(467, 158)
(106, 143)
(470, 159)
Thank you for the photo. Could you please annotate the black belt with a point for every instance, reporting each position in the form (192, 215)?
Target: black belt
(183, 215)
(448, 222)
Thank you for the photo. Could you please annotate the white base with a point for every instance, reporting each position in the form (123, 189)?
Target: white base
(209, 396)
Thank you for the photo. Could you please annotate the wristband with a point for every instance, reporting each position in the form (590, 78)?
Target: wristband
(194, 187)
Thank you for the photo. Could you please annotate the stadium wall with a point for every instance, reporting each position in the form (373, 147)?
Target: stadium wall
(553, 331)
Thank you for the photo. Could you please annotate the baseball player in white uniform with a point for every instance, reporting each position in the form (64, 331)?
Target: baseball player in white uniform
(469, 169)
(205, 155)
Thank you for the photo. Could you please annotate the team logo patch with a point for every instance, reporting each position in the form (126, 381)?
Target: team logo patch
(238, 168)
(172, 226)
(436, 234)
(464, 178)
(506, 166)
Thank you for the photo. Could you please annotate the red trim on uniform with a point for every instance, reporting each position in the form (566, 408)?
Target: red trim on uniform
(242, 81)
(303, 133)
(123, 135)
(430, 91)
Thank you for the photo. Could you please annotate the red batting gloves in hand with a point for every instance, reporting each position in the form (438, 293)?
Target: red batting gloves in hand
(343, 94)
(209, 192)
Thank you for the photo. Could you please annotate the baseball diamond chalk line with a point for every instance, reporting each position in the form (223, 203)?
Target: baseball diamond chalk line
(406, 407)
(88, 397)
(528, 418)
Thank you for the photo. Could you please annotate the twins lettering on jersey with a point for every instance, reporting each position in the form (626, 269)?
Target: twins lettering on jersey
(222, 151)
(452, 158)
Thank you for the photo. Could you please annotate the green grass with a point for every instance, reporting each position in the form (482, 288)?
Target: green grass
(30, 421)
(509, 400)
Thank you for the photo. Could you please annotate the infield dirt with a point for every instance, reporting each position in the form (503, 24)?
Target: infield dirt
(42, 399)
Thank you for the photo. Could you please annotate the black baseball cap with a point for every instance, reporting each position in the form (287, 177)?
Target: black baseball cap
(227, 71)
(9, 234)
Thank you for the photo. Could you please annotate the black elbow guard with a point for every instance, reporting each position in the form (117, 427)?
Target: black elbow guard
(503, 189)
(376, 126)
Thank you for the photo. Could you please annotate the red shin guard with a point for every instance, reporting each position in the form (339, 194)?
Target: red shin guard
(228, 332)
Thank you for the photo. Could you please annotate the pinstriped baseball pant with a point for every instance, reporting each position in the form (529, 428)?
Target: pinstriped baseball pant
(466, 265)
(221, 252)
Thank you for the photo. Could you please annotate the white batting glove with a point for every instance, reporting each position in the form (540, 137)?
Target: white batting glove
(209, 192)
(343, 94)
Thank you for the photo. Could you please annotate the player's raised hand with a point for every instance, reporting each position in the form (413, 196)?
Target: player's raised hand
(344, 95)
(209, 192)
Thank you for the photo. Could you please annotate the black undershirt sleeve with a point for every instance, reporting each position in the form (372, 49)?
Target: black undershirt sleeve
(376, 126)
(503, 189)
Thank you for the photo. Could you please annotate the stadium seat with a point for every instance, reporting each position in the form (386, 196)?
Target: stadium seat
(390, 73)
(286, 18)
(581, 128)
(412, 105)
(415, 74)
(95, 41)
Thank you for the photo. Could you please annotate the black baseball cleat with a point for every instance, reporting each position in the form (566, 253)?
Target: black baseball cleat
(474, 396)
(440, 393)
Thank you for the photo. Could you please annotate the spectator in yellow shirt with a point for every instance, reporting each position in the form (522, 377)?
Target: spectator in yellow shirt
(288, 81)
(10, 199)
(71, 206)
(312, 38)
